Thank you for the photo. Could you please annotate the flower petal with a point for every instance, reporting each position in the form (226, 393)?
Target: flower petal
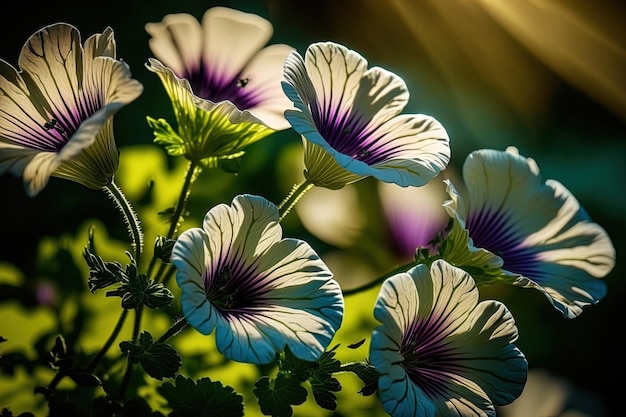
(263, 75)
(212, 129)
(58, 103)
(352, 113)
(554, 247)
(260, 292)
(438, 348)
(232, 38)
(177, 42)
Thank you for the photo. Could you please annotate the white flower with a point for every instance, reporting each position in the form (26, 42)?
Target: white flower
(258, 291)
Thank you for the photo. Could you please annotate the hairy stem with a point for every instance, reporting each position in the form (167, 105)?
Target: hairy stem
(179, 324)
(293, 197)
(130, 217)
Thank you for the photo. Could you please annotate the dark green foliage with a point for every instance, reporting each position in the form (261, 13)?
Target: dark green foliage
(204, 399)
(159, 360)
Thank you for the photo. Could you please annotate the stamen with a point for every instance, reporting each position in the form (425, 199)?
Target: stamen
(223, 295)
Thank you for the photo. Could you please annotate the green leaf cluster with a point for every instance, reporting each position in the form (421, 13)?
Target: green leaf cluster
(158, 359)
(276, 396)
(202, 399)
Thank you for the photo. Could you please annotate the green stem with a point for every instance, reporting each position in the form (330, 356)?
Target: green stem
(130, 217)
(192, 173)
(380, 280)
(293, 197)
(169, 272)
(160, 273)
(178, 326)
(96, 360)
(118, 326)
(129, 365)
(193, 170)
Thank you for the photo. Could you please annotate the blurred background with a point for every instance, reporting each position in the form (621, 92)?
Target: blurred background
(548, 77)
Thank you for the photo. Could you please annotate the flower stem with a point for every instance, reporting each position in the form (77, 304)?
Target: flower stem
(96, 359)
(193, 170)
(293, 197)
(179, 324)
(129, 365)
(192, 174)
(130, 217)
(116, 330)
(380, 280)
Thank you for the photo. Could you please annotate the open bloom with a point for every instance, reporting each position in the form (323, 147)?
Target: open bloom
(439, 351)
(56, 111)
(258, 291)
(512, 226)
(223, 83)
(350, 122)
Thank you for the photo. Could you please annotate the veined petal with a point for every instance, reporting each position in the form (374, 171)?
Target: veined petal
(232, 38)
(224, 58)
(554, 247)
(58, 104)
(458, 248)
(439, 350)
(206, 129)
(177, 42)
(353, 113)
(323, 170)
(103, 155)
(258, 291)
(263, 77)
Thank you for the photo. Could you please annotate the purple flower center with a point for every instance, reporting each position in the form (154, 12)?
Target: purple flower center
(347, 134)
(234, 289)
(210, 86)
(495, 231)
(427, 359)
(62, 125)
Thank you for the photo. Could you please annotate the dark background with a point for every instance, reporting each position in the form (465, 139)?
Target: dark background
(462, 66)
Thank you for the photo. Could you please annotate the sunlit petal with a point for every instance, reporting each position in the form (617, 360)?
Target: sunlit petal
(439, 350)
(55, 111)
(554, 247)
(224, 58)
(206, 129)
(352, 114)
(258, 291)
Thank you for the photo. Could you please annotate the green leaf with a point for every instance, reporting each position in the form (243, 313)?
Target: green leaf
(322, 381)
(102, 274)
(357, 344)
(163, 248)
(159, 360)
(204, 399)
(58, 353)
(368, 374)
(295, 368)
(231, 163)
(166, 136)
(138, 289)
(276, 396)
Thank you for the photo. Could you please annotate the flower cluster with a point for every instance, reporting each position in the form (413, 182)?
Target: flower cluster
(272, 301)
